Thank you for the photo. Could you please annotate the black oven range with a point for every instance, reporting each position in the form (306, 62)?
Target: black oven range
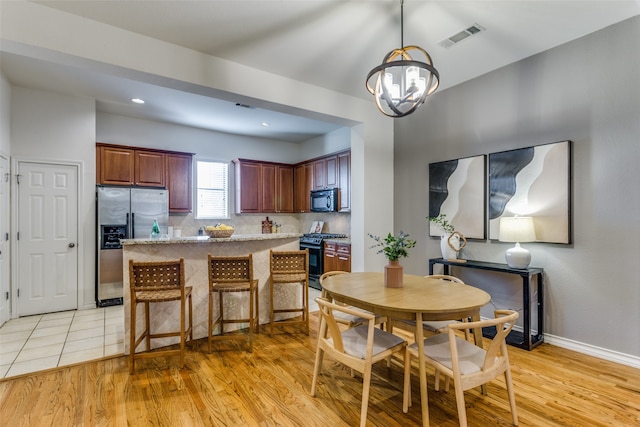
(315, 243)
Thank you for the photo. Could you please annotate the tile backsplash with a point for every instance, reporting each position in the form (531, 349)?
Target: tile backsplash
(252, 223)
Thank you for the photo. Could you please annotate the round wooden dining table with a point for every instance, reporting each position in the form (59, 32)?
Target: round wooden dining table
(421, 298)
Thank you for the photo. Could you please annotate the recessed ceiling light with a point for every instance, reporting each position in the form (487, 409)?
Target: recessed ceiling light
(137, 100)
(265, 124)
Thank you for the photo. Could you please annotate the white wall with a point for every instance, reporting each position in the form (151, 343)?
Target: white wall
(57, 128)
(5, 116)
(587, 91)
(114, 129)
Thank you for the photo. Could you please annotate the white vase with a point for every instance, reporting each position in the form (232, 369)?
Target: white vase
(447, 251)
(451, 244)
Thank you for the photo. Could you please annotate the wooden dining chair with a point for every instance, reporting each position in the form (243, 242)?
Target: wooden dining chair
(287, 268)
(155, 282)
(433, 326)
(232, 275)
(348, 319)
(358, 347)
(467, 364)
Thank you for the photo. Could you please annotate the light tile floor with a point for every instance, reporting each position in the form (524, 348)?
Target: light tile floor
(45, 341)
(35, 343)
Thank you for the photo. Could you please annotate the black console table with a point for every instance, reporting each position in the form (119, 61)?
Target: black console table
(522, 339)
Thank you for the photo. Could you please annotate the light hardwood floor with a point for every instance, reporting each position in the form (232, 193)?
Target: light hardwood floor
(270, 387)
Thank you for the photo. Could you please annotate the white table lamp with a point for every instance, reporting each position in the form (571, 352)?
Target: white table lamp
(517, 229)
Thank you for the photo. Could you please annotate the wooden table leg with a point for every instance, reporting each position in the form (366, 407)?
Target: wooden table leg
(424, 402)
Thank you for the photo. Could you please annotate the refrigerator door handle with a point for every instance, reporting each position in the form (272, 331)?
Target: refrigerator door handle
(133, 225)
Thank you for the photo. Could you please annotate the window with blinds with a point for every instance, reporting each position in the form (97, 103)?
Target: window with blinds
(212, 180)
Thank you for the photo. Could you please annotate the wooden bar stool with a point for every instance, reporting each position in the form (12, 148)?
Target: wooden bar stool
(154, 282)
(232, 275)
(289, 267)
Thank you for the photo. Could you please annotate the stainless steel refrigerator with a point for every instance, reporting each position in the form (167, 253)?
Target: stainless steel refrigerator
(123, 213)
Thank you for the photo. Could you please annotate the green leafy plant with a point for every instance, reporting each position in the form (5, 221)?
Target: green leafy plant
(441, 220)
(393, 247)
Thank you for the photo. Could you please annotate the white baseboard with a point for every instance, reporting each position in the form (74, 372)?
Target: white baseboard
(591, 350)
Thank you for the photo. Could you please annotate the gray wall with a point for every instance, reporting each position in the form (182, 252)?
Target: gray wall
(587, 91)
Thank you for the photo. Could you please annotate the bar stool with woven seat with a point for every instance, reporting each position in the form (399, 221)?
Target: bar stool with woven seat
(232, 275)
(289, 267)
(155, 282)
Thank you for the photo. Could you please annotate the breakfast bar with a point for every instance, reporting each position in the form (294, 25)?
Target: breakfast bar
(194, 250)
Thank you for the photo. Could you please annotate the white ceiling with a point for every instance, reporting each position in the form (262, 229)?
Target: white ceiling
(328, 43)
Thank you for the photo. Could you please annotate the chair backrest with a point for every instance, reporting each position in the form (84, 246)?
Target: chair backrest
(230, 269)
(329, 274)
(446, 277)
(156, 275)
(333, 333)
(289, 262)
(497, 351)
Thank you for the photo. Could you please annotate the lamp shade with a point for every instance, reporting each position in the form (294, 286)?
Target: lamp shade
(517, 229)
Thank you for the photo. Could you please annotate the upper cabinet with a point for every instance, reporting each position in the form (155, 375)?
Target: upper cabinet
(263, 186)
(179, 182)
(302, 186)
(333, 171)
(132, 166)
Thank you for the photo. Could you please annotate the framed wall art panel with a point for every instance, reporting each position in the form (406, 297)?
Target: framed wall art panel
(457, 189)
(536, 182)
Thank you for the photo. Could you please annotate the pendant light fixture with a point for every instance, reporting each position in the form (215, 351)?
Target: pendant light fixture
(402, 83)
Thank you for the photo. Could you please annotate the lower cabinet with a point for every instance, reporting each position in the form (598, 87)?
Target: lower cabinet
(337, 256)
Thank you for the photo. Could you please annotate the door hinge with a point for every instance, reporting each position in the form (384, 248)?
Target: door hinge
(6, 177)
(18, 235)
(18, 293)
(6, 236)
(6, 295)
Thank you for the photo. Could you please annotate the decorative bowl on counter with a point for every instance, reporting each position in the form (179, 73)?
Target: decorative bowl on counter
(219, 231)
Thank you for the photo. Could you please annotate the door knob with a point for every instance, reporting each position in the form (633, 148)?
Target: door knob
(71, 245)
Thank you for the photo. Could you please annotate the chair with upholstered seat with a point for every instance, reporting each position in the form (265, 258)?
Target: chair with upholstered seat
(157, 282)
(288, 268)
(232, 275)
(467, 364)
(348, 319)
(358, 347)
(433, 326)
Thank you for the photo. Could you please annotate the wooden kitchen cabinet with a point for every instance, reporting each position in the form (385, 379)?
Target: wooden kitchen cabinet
(302, 186)
(344, 180)
(118, 165)
(325, 173)
(284, 189)
(337, 256)
(263, 187)
(149, 168)
(179, 182)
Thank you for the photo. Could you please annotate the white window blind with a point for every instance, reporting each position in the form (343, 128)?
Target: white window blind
(213, 190)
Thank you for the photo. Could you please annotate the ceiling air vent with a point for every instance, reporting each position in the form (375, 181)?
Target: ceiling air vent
(458, 37)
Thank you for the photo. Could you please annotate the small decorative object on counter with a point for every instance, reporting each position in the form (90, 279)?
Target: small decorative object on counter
(451, 241)
(266, 226)
(201, 231)
(275, 228)
(155, 230)
(219, 230)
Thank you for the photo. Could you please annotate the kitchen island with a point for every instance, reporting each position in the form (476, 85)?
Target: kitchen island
(194, 250)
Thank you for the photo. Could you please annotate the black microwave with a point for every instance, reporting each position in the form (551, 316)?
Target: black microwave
(324, 200)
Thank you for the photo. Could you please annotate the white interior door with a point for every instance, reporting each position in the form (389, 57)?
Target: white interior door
(47, 241)
(5, 277)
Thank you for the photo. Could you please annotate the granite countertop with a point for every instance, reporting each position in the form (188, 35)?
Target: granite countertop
(207, 239)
